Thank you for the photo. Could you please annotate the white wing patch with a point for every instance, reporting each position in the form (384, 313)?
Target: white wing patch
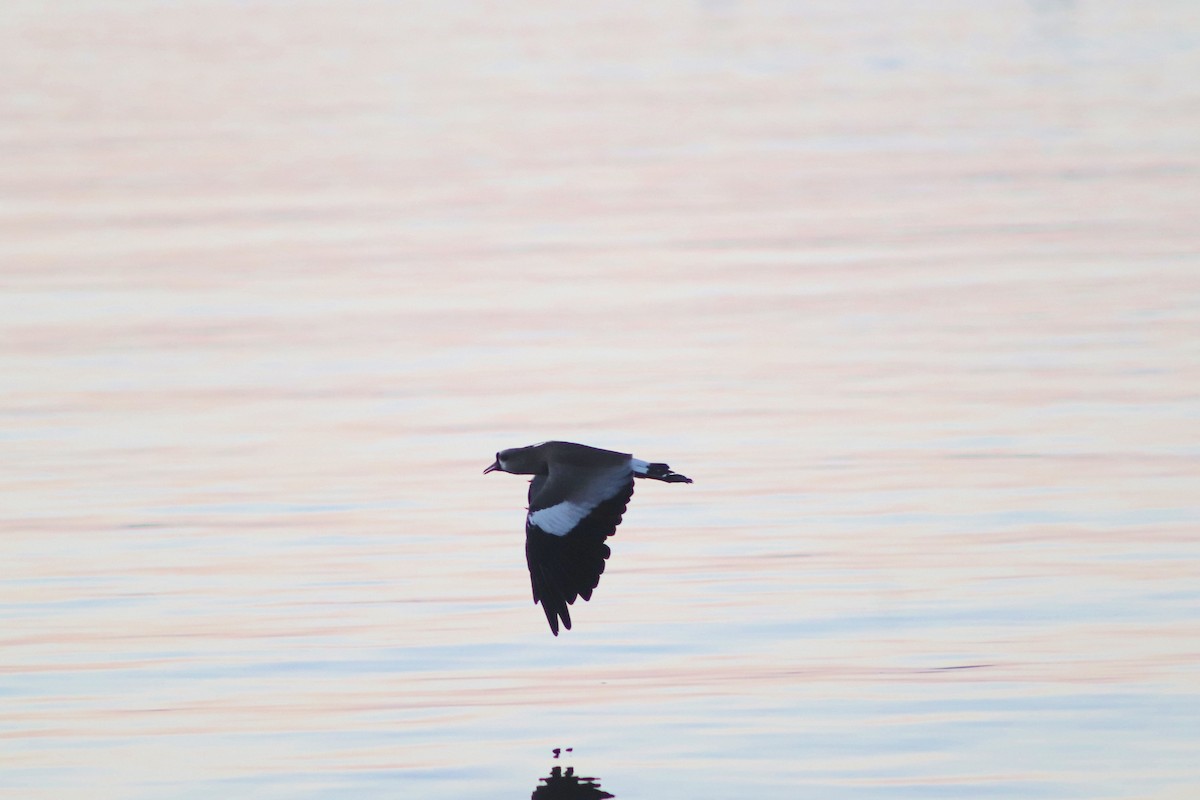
(560, 519)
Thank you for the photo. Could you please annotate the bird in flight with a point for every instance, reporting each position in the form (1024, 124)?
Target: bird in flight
(576, 499)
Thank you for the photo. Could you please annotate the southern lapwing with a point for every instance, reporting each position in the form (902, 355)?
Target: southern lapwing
(576, 499)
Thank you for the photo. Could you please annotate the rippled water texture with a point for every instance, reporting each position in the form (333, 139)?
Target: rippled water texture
(910, 289)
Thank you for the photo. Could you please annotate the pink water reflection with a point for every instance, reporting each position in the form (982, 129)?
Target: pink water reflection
(913, 300)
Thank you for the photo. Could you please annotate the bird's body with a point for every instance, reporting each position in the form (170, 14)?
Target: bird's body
(576, 499)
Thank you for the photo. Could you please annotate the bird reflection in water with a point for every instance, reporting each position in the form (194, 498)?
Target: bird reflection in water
(563, 784)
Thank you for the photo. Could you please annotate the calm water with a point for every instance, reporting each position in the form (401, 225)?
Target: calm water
(910, 289)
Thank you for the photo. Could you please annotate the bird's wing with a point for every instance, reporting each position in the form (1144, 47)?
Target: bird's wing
(571, 512)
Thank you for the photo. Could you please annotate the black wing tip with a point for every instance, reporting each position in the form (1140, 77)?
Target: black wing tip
(554, 626)
(554, 614)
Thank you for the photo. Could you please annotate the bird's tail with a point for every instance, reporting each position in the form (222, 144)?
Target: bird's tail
(659, 472)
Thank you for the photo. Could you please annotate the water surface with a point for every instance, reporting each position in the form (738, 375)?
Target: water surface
(911, 292)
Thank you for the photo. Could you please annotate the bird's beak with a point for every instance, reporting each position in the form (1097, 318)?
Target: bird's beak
(495, 465)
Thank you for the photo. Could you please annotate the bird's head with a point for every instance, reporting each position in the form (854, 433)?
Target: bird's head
(518, 461)
(498, 464)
